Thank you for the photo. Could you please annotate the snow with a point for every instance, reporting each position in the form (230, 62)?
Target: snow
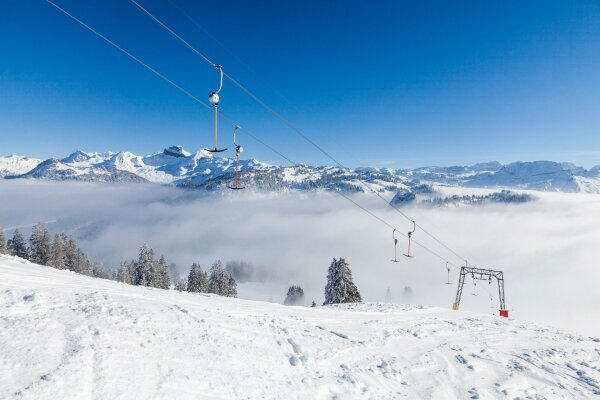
(177, 166)
(66, 336)
(16, 165)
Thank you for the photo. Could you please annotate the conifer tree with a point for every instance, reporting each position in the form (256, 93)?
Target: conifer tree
(163, 279)
(197, 279)
(181, 284)
(340, 288)
(82, 263)
(99, 271)
(71, 255)
(313, 304)
(125, 272)
(295, 296)
(57, 252)
(388, 295)
(17, 246)
(231, 286)
(218, 280)
(3, 248)
(173, 273)
(145, 268)
(39, 245)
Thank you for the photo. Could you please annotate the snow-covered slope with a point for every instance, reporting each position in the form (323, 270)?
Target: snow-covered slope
(66, 336)
(536, 175)
(58, 170)
(16, 165)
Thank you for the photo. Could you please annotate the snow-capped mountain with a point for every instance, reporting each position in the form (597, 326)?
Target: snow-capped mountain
(202, 170)
(176, 166)
(537, 175)
(16, 165)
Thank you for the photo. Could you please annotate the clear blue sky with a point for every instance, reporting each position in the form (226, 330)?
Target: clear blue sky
(385, 83)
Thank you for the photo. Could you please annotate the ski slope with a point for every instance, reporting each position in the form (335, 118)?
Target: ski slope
(66, 336)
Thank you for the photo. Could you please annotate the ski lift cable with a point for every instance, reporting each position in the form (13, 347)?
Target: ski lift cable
(289, 124)
(162, 76)
(256, 138)
(227, 50)
(175, 35)
(128, 54)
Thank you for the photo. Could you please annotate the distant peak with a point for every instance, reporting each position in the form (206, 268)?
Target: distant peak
(176, 151)
(76, 156)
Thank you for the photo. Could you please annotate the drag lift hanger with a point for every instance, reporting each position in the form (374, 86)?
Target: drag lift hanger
(395, 246)
(238, 150)
(407, 254)
(214, 100)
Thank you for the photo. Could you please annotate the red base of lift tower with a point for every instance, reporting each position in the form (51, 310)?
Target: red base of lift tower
(504, 313)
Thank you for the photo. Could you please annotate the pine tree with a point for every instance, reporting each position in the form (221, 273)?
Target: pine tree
(70, 254)
(82, 264)
(17, 246)
(173, 273)
(145, 267)
(295, 296)
(340, 288)
(218, 280)
(231, 286)
(313, 304)
(163, 280)
(197, 280)
(388, 295)
(99, 271)
(39, 245)
(181, 284)
(75, 259)
(407, 293)
(125, 272)
(57, 252)
(3, 248)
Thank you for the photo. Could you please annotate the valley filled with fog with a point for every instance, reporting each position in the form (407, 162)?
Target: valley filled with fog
(547, 248)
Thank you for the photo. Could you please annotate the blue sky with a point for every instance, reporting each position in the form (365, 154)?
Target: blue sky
(384, 83)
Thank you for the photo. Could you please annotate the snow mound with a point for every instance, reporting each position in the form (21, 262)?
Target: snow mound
(67, 336)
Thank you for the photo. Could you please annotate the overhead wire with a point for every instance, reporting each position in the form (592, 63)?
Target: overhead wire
(291, 126)
(253, 136)
(127, 53)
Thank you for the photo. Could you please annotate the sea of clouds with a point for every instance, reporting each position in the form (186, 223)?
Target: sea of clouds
(548, 249)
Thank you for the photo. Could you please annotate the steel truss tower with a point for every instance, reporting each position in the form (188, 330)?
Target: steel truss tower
(482, 275)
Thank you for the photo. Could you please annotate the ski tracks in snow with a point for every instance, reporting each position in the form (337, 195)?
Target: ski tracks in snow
(65, 336)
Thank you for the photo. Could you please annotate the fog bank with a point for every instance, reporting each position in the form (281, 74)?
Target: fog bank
(547, 248)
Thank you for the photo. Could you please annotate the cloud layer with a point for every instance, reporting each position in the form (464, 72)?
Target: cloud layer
(547, 248)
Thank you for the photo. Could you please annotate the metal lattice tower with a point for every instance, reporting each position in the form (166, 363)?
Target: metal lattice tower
(483, 275)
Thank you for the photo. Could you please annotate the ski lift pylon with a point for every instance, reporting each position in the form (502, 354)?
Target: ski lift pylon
(214, 100)
(407, 254)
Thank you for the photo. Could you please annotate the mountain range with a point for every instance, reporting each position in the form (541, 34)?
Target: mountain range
(202, 170)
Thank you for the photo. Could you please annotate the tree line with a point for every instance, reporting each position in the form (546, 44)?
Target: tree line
(61, 252)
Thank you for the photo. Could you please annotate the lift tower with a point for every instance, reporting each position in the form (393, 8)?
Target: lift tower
(483, 275)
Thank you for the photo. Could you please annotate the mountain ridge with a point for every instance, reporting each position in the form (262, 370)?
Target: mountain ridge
(202, 170)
